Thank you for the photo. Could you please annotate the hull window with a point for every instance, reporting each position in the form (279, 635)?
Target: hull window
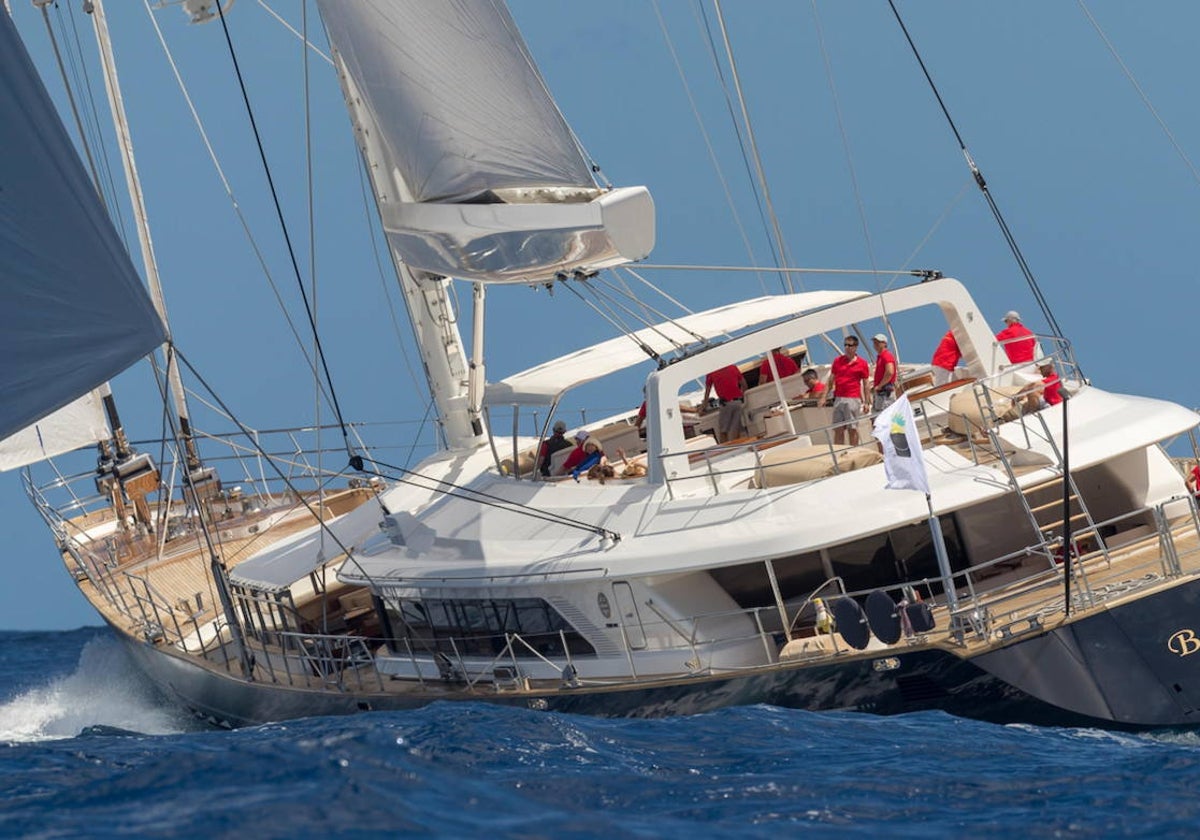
(749, 585)
(482, 627)
(905, 554)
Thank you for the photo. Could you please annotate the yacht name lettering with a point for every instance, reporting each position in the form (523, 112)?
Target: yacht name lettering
(1184, 642)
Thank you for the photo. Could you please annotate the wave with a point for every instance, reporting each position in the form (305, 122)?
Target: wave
(103, 691)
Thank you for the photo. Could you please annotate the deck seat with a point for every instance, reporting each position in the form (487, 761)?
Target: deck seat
(525, 463)
(789, 464)
(966, 415)
(762, 398)
(616, 436)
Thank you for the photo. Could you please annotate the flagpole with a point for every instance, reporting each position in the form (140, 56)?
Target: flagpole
(904, 466)
(943, 557)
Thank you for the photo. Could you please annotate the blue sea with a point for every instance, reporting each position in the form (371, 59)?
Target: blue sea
(86, 750)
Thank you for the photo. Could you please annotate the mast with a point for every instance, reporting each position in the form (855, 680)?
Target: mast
(134, 185)
(435, 327)
(476, 174)
(73, 310)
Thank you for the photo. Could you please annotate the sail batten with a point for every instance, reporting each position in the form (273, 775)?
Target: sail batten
(73, 311)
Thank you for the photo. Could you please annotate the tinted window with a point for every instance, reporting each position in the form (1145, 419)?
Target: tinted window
(479, 627)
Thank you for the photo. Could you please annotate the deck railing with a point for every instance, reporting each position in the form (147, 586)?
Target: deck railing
(998, 599)
(994, 398)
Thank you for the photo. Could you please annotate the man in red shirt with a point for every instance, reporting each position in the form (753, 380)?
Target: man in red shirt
(945, 358)
(883, 386)
(783, 364)
(1051, 384)
(1016, 339)
(848, 380)
(815, 386)
(1193, 479)
(729, 385)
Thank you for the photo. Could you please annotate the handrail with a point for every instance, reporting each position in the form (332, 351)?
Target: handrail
(986, 604)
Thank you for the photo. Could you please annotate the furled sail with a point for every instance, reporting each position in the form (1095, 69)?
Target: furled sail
(73, 312)
(476, 172)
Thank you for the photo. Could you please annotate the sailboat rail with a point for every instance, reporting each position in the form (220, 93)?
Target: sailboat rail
(1000, 598)
(1013, 395)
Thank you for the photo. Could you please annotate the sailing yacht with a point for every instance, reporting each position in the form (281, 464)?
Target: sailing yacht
(1044, 568)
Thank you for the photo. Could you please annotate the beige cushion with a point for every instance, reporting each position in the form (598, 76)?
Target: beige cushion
(965, 414)
(525, 462)
(793, 464)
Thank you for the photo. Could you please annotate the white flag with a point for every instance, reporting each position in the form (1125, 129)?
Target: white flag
(896, 431)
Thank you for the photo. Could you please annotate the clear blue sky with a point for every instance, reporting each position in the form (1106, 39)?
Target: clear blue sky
(1102, 205)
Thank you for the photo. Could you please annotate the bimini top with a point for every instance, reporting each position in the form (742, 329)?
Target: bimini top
(545, 383)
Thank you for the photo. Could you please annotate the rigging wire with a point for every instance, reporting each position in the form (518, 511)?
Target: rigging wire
(712, 153)
(610, 292)
(303, 37)
(932, 230)
(237, 207)
(858, 200)
(654, 288)
(1009, 238)
(204, 537)
(714, 57)
(312, 267)
(911, 272)
(170, 431)
(763, 185)
(84, 80)
(460, 491)
(621, 328)
(841, 123)
(621, 289)
(83, 140)
(405, 476)
(283, 477)
(419, 383)
(1140, 92)
(337, 409)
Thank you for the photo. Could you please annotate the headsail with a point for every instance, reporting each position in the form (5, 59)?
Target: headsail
(73, 311)
(77, 424)
(476, 172)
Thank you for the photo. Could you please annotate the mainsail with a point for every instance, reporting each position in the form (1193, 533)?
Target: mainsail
(73, 311)
(476, 172)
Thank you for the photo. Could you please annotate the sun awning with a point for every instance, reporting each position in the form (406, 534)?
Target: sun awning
(543, 384)
(284, 563)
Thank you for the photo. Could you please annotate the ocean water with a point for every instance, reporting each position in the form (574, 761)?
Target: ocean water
(87, 750)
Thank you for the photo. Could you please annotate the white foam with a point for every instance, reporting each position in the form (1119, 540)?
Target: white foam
(104, 690)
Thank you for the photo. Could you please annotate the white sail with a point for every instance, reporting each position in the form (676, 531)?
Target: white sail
(73, 312)
(75, 425)
(454, 89)
(476, 173)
